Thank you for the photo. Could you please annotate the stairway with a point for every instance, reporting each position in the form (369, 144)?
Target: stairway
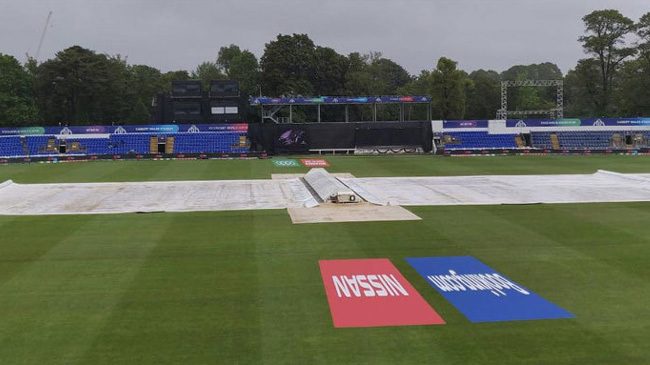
(74, 147)
(555, 142)
(169, 145)
(244, 142)
(640, 140)
(51, 145)
(520, 142)
(23, 144)
(153, 145)
(616, 141)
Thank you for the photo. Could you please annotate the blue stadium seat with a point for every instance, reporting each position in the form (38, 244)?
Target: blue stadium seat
(478, 140)
(10, 146)
(128, 143)
(576, 140)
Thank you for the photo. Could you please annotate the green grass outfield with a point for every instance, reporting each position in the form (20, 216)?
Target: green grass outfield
(245, 287)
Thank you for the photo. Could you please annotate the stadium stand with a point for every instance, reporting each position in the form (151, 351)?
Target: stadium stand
(450, 137)
(124, 143)
(209, 142)
(555, 140)
(572, 140)
(592, 140)
(478, 140)
(121, 144)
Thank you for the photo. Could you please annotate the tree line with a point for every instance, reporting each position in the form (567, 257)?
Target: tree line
(80, 86)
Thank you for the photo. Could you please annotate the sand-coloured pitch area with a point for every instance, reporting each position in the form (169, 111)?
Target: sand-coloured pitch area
(363, 212)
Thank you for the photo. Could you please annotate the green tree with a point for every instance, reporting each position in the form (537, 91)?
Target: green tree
(140, 114)
(242, 66)
(226, 56)
(287, 66)
(643, 32)
(206, 72)
(449, 86)
(389, 75)
(582, 89)
(633, 96)
(359, 80)
(294, 65)
(81, 86)
(245, 68)
(419, 85)
(605, 41)
(540, 71)
(634, 92)
(372, 74)
(484, 96)
(16, 98)
(147, 83)
(170, 76)
(330, 69)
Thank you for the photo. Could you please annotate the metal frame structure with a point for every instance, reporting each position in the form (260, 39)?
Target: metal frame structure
(269, 107)
(557, 112)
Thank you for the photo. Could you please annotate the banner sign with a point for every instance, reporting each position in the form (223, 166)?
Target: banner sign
(285, 162)
(630, 122)
(373, 293)
(481, 293)
(522, 123)
(448, 124)
(23, 131)
(588, 122)
(314, 162)
(262, 100)
(120, 129)
(292, 139)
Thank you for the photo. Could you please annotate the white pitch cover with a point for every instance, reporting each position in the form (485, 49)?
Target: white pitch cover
(218, 195)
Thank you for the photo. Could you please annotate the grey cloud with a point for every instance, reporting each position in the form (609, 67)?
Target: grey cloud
(170, 35)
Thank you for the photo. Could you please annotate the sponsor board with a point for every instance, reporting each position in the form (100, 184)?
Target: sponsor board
(147, 128)
(449, 124)
(373, 293)
(314, 162)
(574, 122)
(262, 100)
(285, 162)
(482, 294)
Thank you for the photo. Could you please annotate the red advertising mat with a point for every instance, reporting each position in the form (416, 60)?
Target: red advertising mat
(314, 162)
(373, 293)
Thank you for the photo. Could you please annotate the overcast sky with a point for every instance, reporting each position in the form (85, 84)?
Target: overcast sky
(171, 35)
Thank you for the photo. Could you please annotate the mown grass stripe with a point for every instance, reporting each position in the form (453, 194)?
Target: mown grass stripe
(53, 308)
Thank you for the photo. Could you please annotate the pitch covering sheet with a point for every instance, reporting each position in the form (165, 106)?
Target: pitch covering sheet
(222, 195)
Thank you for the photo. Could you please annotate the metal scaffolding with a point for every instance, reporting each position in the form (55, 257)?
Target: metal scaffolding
(557, 112)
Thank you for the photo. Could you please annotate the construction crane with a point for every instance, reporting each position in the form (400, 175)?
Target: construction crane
(40, 42)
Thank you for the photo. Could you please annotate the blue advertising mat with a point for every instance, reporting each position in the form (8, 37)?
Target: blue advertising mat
(481, 293)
